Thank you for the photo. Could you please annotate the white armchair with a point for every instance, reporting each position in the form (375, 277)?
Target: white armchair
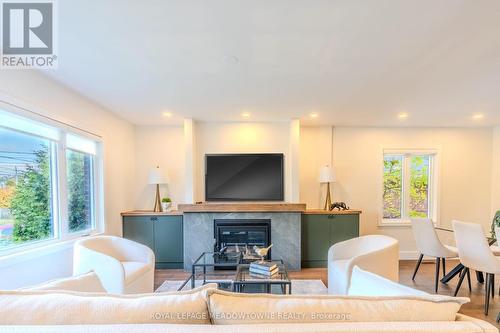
(374, 253)
(123, 266)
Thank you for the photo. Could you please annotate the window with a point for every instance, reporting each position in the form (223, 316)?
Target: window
(80, 190)
(408, 186)
(48, 183)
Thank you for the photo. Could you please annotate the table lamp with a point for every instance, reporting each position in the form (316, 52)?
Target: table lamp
(327, 175)
(158, 176)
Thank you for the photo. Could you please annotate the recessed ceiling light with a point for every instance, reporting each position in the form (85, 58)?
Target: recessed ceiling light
(167, 114)
(478, 116)
(403, 115)
(314, 115)
(245, 114)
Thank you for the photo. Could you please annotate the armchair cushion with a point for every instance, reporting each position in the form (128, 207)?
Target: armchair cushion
(133, 270)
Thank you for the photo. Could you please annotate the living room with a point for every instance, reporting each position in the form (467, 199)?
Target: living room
(201, 138)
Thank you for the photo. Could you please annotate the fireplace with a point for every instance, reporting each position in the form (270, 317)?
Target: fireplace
(241, 235)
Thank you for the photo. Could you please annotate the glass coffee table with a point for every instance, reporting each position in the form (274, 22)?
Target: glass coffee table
(213, 267)
(246, 282)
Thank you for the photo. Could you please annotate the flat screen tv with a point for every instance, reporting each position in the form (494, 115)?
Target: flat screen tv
(244, 177)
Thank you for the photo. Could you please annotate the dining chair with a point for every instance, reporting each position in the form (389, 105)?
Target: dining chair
(475, 253)
(428, 244)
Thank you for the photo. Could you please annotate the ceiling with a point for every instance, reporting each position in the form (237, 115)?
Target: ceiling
(353, 62)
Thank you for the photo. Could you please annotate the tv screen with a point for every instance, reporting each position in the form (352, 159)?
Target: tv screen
(244, 177)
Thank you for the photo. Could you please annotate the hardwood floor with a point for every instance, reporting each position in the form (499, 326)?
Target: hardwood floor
(423, 281)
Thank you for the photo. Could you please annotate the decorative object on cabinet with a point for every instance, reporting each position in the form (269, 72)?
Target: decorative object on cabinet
(327, 175)
(166, 204)
(157, 176)
(339, 206)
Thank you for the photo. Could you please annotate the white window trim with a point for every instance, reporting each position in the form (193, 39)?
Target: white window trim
(434, 194)
(59, 200)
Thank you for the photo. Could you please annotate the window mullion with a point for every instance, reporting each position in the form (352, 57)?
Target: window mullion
(406, 186)
(63, 190)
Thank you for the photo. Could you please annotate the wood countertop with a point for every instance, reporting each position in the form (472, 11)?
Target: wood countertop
(150, 213)
(257, 207)
(331, 212)
(242, 207)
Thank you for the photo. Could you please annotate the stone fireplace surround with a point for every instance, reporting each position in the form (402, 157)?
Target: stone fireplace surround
(285, 219)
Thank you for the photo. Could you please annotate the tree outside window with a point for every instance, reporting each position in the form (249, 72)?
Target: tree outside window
(407, 186)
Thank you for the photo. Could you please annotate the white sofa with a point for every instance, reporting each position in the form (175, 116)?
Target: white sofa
(61, 311)
(375, 253)
(123, 266)
(206, 309)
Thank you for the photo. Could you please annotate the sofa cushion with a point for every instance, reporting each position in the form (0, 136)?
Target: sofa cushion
(133, 270)
(231, 308)
(364, 283)
(88, 282)
(25, 307)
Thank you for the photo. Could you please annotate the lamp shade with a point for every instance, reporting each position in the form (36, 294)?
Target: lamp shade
(326, 174)
(158, 176)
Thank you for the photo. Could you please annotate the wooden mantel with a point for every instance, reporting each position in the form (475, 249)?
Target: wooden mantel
(242, 207)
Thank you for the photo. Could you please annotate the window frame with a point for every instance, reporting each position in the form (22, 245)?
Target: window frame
(433, 200)
(59, 181)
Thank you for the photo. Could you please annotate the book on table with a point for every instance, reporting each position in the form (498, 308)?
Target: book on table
(263, 265)
(265, 273)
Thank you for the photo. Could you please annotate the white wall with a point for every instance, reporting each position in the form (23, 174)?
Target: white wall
(39, 93)
(465, 173)
(159, 146)
(213, 138)
(495, 171)
(315, 152)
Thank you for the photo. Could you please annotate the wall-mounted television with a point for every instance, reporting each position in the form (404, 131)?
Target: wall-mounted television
(244, 177)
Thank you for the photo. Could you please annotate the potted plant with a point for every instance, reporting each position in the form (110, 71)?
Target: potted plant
(495, 226)
(166, 203)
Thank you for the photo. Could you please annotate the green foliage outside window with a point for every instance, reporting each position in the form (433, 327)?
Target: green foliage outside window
(79, 190)
(419, 186)
(393, 186)
(30, 203)
(418, 191)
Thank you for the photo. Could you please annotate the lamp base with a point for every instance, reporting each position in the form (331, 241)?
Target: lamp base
(157, 208)
(328, 199)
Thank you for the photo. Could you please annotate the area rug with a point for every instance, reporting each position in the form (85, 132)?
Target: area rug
(299, 287)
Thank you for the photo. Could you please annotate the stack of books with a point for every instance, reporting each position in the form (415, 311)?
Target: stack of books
(263, 268)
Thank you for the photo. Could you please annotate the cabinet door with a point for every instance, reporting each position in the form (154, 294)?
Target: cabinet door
(139, 229)
(343, 227)
(169, 239)
(315, 240)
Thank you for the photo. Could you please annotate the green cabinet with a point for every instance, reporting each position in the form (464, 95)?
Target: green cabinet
(320, 231)
(162, 233)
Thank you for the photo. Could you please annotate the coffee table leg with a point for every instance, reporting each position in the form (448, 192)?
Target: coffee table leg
(290, 288)
(204, 274)
(193, 274)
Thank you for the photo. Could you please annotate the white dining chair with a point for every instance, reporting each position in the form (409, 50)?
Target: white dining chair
(428, 244)
(475, 253)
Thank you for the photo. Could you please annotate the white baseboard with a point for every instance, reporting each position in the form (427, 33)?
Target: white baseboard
(408, 255)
